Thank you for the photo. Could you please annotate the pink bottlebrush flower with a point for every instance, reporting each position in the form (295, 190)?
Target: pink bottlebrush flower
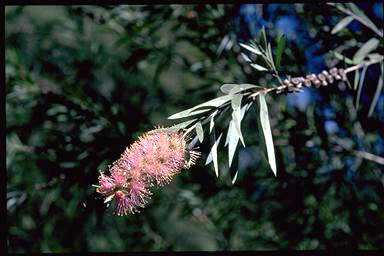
(155, 157)
(106, 185)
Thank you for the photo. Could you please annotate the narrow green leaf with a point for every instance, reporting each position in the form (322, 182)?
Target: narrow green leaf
(375, 56)
(369, 46)
(356, 81)
(109, 198)
(236, 101)
(258, 67)
(264, 37)
(280, 50)
(356, 10)
(264, 120)
(214, 153)
(200, 132)
(207, 106)
(212, 121)
(360, 86)
(244, 109)
(342, 24)
(233, 140)
(343, 58)
(226, 88)
(209, 158)
(269, 54)
(243, 87)
(235, 177)
(251, 49)
(245, 57)
(377, 93)
(236, 115)
(182, 125)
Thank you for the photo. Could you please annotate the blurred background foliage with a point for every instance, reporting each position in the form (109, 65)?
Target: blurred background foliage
(83, 82)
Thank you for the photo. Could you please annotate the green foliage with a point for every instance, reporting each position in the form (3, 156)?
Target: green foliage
(83, 82)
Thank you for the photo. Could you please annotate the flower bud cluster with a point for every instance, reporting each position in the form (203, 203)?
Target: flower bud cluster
(323, 79)
(155, 158)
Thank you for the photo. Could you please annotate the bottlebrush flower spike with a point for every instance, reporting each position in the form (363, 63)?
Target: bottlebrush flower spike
(155, 158)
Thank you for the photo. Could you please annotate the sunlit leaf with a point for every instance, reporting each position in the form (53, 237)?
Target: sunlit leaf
(109, 198)
(280, 50)
(235, 177)
(376, 56)
(236, 101)
(264, 120)
(245, 57)
(369, 46)
(226, 88)
(258, 67)
(209, 158)
(233, 140)
(200, 132)
(342, 24)
(214, 152)
(356, 81)
(212, 121)
(243, 87)
(207, 106)
(251, 49)
(236, 115)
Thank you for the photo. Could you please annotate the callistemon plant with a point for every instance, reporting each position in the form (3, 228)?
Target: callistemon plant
(154, 158)
(160, 154)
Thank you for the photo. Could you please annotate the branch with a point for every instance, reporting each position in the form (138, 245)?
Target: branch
(358, 153)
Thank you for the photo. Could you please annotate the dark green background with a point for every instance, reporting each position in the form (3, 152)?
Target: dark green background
(83, 82)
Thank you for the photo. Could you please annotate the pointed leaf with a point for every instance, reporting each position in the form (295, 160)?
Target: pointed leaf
(245, 57)
(200, 132)
(182, 125)
(360, 86)
(343, 58)
(369, 46)
(214, 153)
(251, 49)
(280, 50)
(258, 67)
(226, 88)
(235, 177)
(243, 87)
(264, 120)
(264, 37)
(342, 24)
(209, 158)
(109, 198)
(207, 105)
(236, 101)
(229, 131)
(233, 140)
(366, 21)
(377, 93)
(236, 114)
(212, 121)
(236, 117)
(193, 142)
(356, 81)
(269, 54)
